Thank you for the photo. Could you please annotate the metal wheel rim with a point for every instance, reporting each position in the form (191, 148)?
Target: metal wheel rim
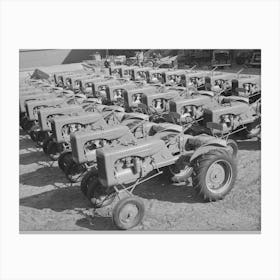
(128, 214)
(219, 176)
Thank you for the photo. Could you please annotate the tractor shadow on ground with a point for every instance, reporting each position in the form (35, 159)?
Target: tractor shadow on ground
(69, 199)
(41, 177)
(96, 223)
(66, 198)
(249, 145)
(34, 157)
(25, 143)
(161, 188)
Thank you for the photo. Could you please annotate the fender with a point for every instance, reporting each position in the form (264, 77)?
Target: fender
(205, 149)
(135, 116)
(163, 127)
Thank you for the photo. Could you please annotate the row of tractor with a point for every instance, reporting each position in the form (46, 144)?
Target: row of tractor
(111, 130)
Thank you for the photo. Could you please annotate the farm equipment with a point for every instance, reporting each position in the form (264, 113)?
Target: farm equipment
(248, 86)
(192, 79)
(234, 114)
(190, 108)
(122, 71)
(99, 88)
(115, 94)
(59, 140)
(222, 82)
(157, 76)
(43, 129)
(209, 161)
(141, 74)
(154, 101)
(33, 106)
(65, 80)
(132, 126)
(96, 116)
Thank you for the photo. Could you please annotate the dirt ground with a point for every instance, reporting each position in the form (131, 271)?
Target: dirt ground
(49, 203)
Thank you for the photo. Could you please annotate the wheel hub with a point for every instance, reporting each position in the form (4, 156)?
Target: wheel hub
(218, 176)
(128, 213)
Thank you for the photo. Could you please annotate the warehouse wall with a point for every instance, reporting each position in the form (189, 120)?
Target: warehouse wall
(30, 58)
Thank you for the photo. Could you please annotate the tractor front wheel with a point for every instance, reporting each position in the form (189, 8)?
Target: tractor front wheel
(94, 191)
(34, 131)
(128, 212)
(46, 143)
(74, 171)
(64, 160)
(214, 174)
(53, 150)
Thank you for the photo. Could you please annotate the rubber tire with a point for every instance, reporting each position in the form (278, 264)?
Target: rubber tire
(34, 132)
(42, 135)
(28, 125)
(86, 180)
(202, 163)
(45, 144)
(64, 159)
(90, 185)
(52, 146)
(120, 205)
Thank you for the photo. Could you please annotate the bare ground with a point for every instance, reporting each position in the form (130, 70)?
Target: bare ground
(49, 203)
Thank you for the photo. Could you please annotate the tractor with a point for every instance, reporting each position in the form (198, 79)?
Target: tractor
(75, 163)
(209, 161)
(248, 86)
(234, 114)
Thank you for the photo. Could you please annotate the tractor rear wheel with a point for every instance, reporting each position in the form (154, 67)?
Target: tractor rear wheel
(128, 212)
(214, 174)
